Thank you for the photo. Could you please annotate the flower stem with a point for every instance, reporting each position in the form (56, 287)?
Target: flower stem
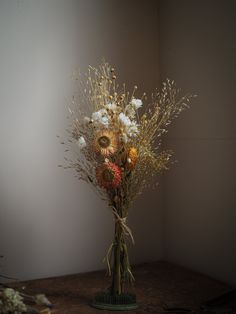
(117, 271)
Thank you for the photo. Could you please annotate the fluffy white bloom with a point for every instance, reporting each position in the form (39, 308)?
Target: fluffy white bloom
(132, 129)
(104, 121)
(100, 118)
(97, 115)
(136, 103)
(111, 106)
(123, 119)
(81, 142)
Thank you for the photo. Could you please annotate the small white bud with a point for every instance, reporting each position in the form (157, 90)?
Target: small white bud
(81, 142)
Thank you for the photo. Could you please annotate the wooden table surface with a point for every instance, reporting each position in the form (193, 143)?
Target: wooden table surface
(157, 285)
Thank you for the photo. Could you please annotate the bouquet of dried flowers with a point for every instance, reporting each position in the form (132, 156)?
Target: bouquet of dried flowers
(119, 149)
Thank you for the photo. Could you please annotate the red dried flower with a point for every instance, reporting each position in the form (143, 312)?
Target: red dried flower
(108, 175)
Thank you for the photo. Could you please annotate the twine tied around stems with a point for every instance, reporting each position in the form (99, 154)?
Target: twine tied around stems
(123, 224)
(127, 231)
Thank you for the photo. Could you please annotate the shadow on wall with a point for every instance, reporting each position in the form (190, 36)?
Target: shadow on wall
(197, 48)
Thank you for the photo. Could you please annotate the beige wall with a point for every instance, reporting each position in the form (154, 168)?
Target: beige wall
(51, 224)
(198, 49)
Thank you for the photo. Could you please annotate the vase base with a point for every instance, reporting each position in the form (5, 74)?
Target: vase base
(114, 307)
(122, 302)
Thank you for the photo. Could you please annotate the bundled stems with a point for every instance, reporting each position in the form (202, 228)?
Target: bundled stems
(121, 266)
(117, 270)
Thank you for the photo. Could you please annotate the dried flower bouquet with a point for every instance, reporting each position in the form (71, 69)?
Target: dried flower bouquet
(119, 149)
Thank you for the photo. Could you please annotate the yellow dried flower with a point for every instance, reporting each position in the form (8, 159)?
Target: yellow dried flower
(105, 143)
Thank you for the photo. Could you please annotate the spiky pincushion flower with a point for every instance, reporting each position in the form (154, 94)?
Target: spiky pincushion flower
(132, 157)
(105, 143)
(108, 175)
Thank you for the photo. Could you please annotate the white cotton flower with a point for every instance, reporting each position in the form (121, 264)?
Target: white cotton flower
(81, 142)
(123, 119)
(136, 103)
(104, 121)
(111, 106)
(96, 115)
(100, 118)
(132, 129)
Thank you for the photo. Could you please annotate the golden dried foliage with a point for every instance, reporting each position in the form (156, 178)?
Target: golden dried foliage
(95, 91)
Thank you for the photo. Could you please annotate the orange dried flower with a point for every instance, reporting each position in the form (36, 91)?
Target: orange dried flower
(132, 158)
